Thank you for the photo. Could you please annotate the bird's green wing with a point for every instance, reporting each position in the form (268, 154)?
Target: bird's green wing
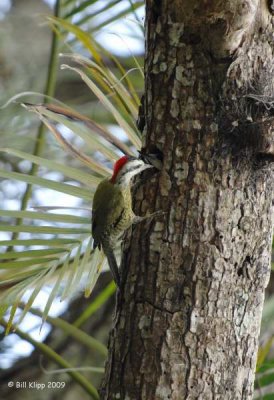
(108, 205)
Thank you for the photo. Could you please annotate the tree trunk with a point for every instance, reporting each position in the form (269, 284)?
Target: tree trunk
(188, 317)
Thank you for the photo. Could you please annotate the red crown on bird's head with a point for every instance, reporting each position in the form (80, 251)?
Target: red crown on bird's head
(117, 167)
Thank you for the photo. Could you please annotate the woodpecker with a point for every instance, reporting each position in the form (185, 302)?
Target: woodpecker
(112, 210)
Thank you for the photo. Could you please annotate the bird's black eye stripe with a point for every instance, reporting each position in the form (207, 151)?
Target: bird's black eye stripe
(133, 168)
(127, 171)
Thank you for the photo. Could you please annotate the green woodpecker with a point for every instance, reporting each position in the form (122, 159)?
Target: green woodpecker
(112, 208)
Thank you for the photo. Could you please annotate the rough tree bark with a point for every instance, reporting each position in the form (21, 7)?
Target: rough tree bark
(188, 318)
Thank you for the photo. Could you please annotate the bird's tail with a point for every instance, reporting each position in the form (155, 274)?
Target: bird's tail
(112, 263)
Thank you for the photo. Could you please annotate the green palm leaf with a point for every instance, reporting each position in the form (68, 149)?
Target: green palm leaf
(58, 249)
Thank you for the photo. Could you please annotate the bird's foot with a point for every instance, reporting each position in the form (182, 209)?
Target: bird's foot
(138, 219)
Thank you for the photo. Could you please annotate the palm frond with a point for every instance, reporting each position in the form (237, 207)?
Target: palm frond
(49, 247)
